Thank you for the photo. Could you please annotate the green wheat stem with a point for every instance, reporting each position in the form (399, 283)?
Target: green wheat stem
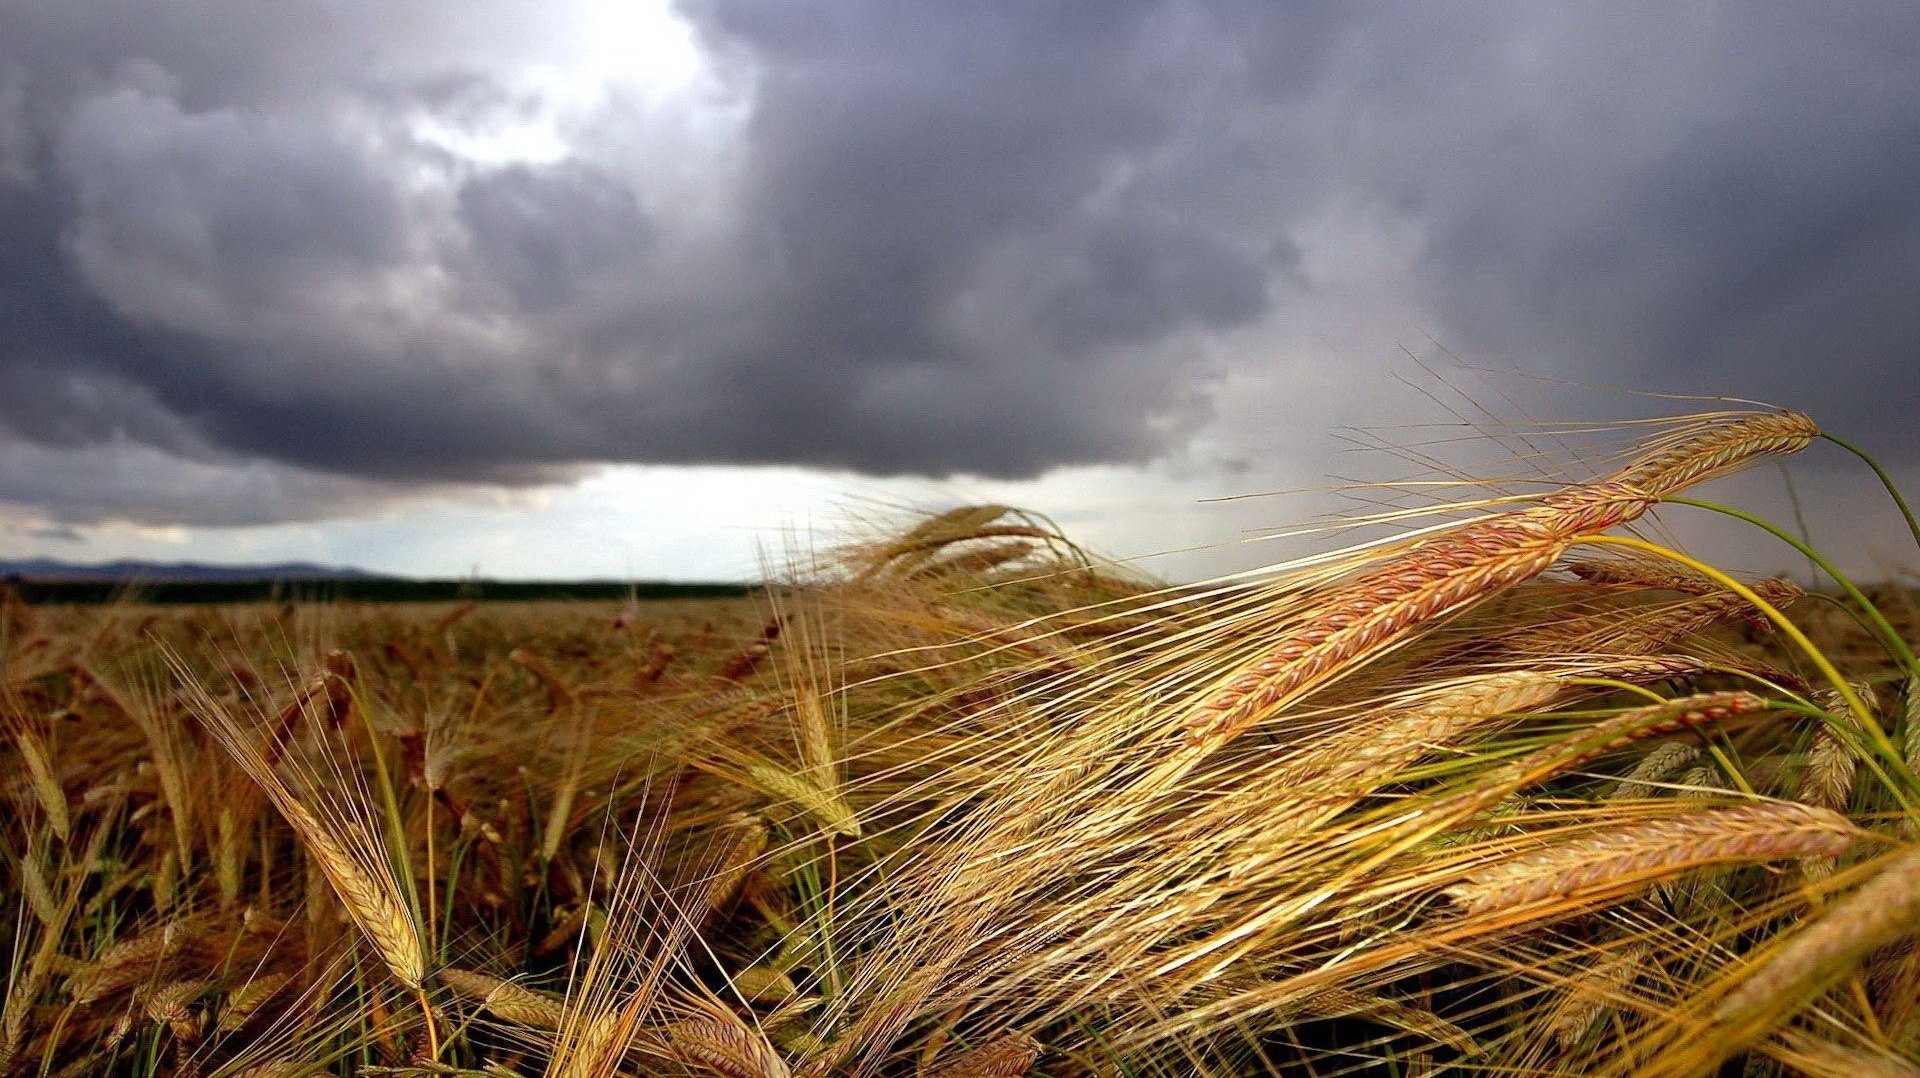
(1889, 636)
(1886, 481)
(1799, 518)
(1861, 712)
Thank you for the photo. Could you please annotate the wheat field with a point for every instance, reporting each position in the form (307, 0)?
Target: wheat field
(1516, 788)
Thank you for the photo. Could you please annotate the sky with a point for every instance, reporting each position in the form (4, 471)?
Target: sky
(632, 288)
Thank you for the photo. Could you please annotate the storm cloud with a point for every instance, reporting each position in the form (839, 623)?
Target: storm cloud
(278, 266)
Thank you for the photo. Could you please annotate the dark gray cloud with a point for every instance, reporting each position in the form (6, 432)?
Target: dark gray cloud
(928, 239)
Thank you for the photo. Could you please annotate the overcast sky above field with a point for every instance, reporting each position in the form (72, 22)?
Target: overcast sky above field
(621, 287)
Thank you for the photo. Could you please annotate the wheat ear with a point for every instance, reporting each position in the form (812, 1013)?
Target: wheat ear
(1591, 994)
(1655, 766)
(1716, 448)
(1814, 1057)
(827, 807)
(1432, 579)
(742, 839)
(1639, 855)
(1010, 1055)
(40, 773)
(1826, 948)
(370, 904)
(365, 885)
(1455, 569)
(507, 1000)
(763, 985)
(131, 961)
(1909, 824)
(725, 1047)
(245, 1001)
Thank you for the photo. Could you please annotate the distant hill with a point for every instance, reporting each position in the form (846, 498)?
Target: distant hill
(54, 571)
(47, 580)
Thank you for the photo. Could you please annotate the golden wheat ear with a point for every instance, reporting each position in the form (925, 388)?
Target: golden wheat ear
(338, 831)
(1828, 946)
(1010, 1055)
(506, 1000)
(1635, 856)
(1464, 565)
(723, 1045)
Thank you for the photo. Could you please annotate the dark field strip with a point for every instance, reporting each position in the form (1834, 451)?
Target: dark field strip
(362, 591)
